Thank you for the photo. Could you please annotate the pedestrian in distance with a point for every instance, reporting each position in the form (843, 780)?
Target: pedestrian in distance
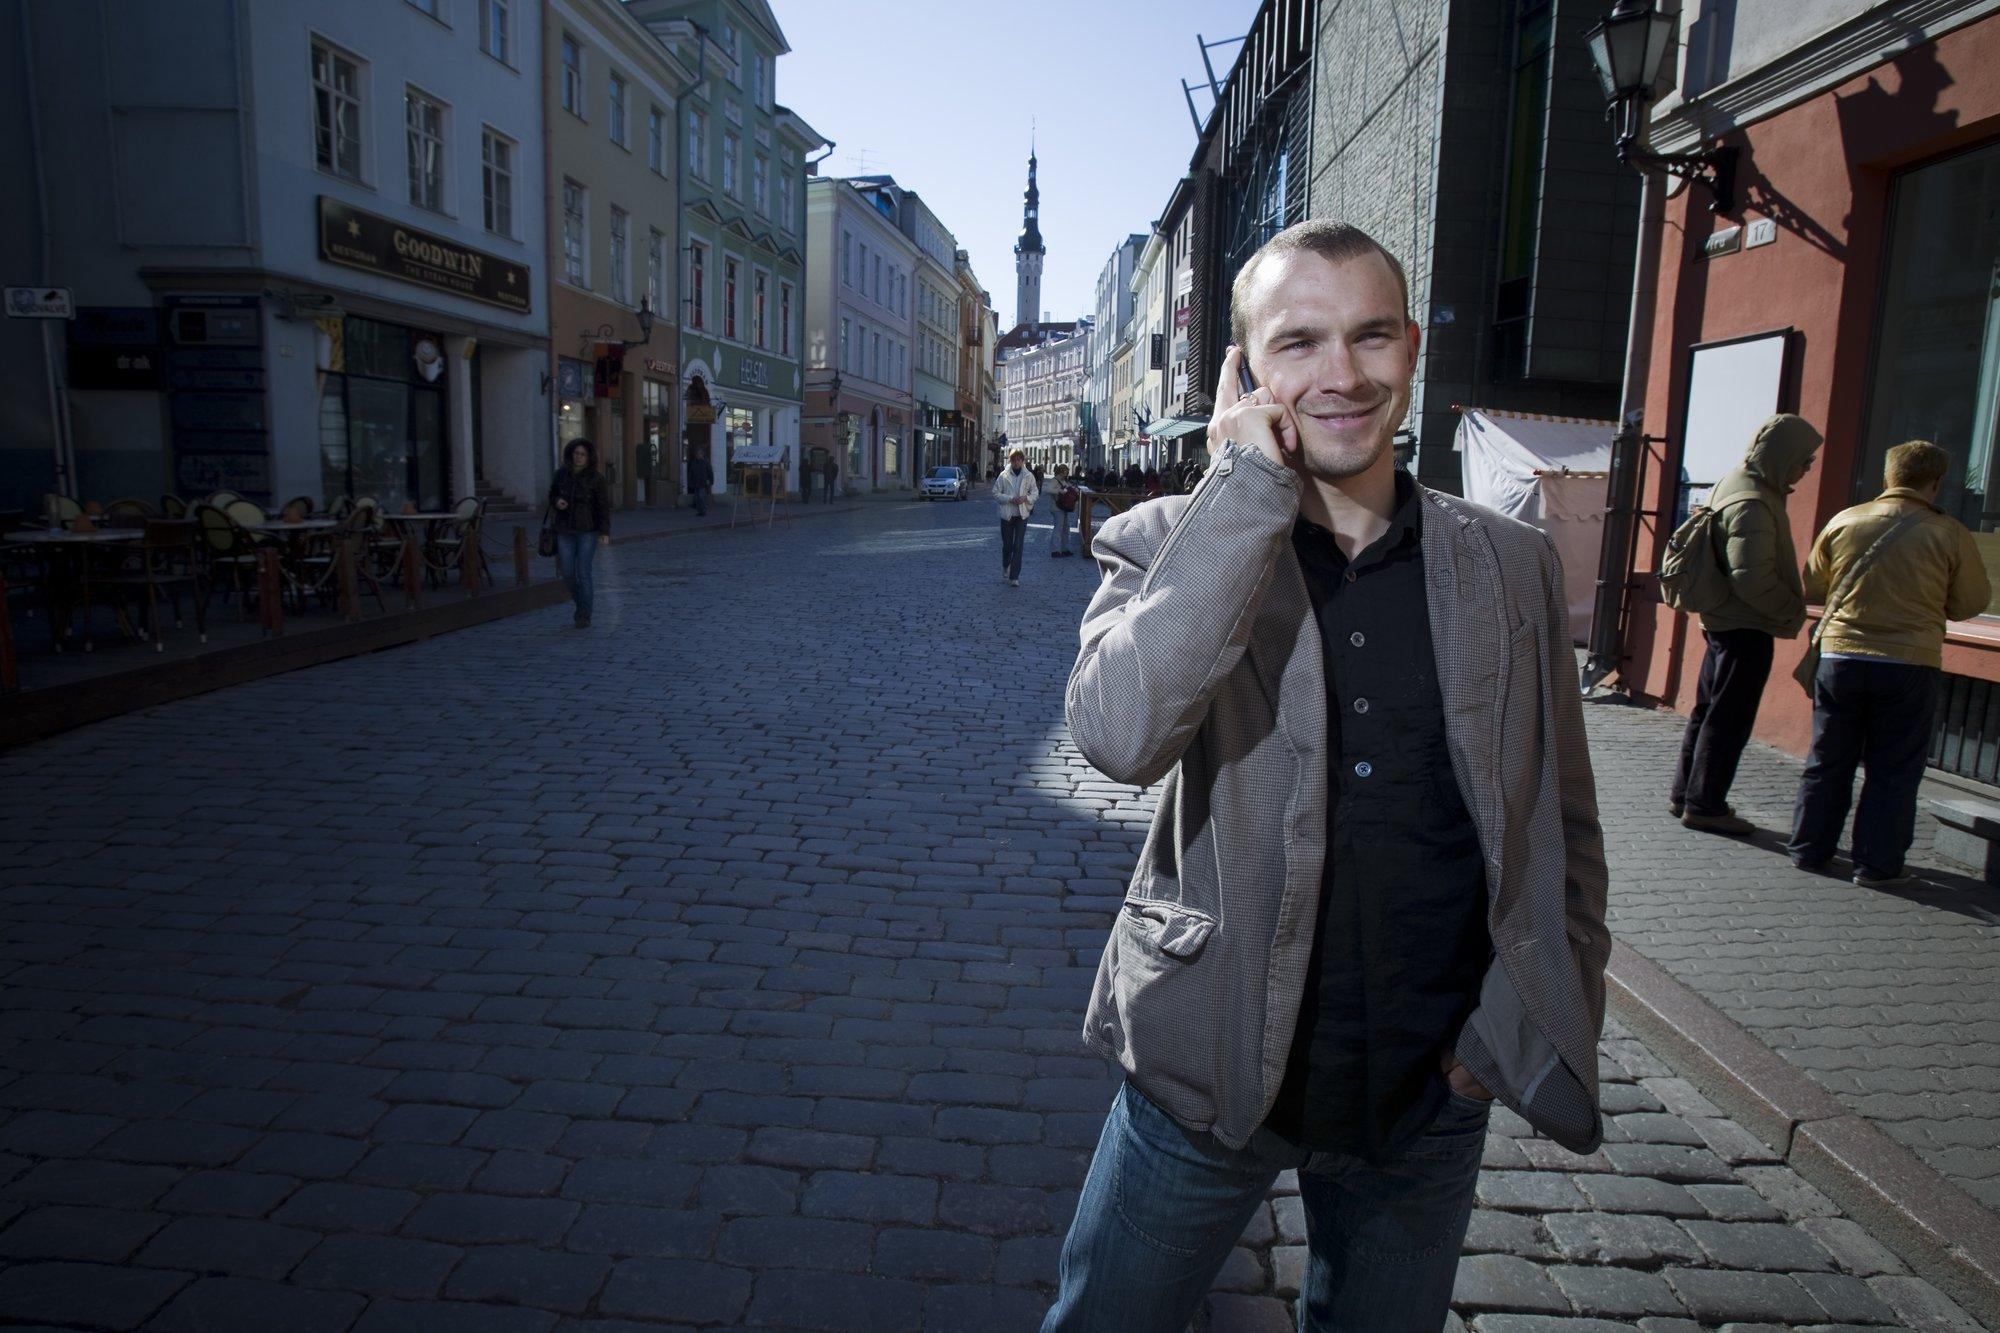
(807, 468)
(701, 480)
(1306, 974)
(1752, 538)
(580, 506)
(832, 477)
(1063, 506)
(1889, 573)
(1014, 490)
(1134, 477)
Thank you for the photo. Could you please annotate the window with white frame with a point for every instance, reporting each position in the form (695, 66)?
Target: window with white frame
(784, 319)
(572, 76)
(423, 118)
(878, 280)
(656, 270)
(495, 34)
(760, 309)
(697, 285)
(574, 230)
(697, 143)
(730, 146)
(846, 260)
(770, 80)
(875, 357)
(621, 256)
(786, 213)
(760, 184)
(757, 77)
(844, 366)
(729, 44)
(435, 8)
(496, 160)
(656, 140)
(732, 269)
(614, 109)
(336, 80)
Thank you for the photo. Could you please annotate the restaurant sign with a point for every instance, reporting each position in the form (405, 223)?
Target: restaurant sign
(382, 245)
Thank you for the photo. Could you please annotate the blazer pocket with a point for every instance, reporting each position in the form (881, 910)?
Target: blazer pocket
(1177, 931)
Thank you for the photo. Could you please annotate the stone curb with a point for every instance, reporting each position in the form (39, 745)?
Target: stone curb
(752, 524)
(1937, 1228)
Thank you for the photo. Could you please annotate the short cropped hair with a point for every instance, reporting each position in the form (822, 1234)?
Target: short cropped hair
(1915, 465)
(1335, 242)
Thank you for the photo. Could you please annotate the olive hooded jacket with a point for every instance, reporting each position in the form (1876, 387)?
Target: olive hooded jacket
(1753, 538)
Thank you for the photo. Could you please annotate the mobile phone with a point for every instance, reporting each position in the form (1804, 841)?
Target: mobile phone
(1245, 379)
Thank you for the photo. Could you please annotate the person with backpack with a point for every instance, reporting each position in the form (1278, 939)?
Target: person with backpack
(1889, 573)
(1733, 563)
(1066, 497)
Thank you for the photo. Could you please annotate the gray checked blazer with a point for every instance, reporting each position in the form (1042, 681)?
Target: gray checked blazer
(1202, 665)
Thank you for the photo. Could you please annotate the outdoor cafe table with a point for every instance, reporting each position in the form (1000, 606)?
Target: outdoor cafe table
(78, 545)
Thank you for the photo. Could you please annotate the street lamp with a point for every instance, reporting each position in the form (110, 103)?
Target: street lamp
(1628, 48)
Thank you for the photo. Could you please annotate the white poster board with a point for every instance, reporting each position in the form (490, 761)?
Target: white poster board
(1732, 387)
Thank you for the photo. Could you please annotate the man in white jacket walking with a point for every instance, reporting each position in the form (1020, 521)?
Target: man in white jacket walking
(1015, 492)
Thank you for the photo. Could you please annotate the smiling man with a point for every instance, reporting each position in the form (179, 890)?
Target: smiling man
(1372, 899)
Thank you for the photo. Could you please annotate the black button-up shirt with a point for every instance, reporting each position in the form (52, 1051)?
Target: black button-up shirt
(1400, 945)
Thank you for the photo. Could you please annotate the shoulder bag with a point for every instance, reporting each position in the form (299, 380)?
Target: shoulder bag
(1808, 667)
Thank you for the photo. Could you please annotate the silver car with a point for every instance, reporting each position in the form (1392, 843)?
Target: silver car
(947, 483)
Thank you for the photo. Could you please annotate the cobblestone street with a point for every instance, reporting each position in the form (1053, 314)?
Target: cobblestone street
(722, 966)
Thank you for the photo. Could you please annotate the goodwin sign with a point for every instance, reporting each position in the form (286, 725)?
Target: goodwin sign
(361, 240)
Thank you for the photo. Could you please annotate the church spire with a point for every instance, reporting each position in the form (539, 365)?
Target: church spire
(1028, 251)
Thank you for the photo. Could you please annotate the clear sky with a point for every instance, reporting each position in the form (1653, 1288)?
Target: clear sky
(939, 94)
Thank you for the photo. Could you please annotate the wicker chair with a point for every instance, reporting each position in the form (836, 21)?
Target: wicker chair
(173, 506)
(229, 551)
(128, 514)
(167, 562)
(467, 520)
(59, 509)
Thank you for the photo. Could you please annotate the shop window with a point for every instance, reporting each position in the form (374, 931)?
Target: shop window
(382, 423)
(1936, 373)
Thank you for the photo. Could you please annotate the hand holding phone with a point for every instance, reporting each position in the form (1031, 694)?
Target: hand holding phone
(1248, 414)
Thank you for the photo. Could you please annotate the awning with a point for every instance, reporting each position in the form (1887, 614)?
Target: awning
(1172, 428)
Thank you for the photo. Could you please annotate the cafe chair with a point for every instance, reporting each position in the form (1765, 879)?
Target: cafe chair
(223, 499)
(172, 506)
(229, 553)
(128, 514)
(59, 510)
(342, 506)
(167, 565)
(467, 520)
(296, 508)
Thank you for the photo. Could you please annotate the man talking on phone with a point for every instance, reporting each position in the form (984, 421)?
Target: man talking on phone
(1372, 898)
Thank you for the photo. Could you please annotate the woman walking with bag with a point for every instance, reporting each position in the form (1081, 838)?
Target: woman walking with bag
(580, 513)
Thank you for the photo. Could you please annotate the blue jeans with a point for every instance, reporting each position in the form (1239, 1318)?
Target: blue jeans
(1059, 535)
(1013, 536)
(1162, 1207)
(576, 550)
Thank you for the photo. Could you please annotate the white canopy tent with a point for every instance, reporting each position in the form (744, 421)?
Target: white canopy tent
(1552, 472)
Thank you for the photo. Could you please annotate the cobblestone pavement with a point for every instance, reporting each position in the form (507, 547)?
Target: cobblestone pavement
(1890, 1000)
(718, 966)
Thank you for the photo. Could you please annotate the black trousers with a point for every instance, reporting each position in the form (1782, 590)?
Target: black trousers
(1876, 714)
(1733, 672)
